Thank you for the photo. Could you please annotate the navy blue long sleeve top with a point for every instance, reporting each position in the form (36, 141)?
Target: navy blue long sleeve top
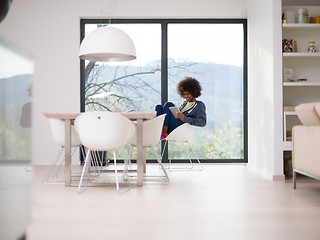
(196, 114)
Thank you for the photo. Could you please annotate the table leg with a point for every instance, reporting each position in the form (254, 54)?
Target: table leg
(67, 149)
(140, 161)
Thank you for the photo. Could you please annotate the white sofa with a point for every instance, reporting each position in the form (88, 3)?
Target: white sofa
(306, 142)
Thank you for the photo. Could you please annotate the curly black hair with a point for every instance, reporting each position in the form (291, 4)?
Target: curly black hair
(190, 85)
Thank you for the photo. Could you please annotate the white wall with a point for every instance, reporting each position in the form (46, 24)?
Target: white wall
(50, 30)
(277, 169)
(264, 86)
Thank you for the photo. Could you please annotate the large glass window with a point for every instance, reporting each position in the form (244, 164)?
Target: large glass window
(15, 104)
(127, 86)
(212, 51)
(213, 54)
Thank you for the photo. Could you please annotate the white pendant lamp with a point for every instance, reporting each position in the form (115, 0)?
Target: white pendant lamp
(107, 44)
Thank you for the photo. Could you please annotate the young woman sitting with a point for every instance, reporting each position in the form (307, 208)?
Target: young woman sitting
(191, 110)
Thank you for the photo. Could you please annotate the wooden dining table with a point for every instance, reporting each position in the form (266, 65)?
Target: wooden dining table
(139, 117)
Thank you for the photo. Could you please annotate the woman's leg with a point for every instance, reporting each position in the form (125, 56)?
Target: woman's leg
(159, 110)
(170, 121)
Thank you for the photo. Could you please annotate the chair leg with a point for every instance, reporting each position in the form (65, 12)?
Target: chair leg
(169, 162)
(77, 174)
(96, 162)
(294, 173)
(55, 173)
(127, 163)
(165, 144)
(178, 168)
(115, 169)
(160, 164)
(85, 169)
(201, 167)
(191, 168)
(59, 172)
(49, 172)
(116, 173)
(169, 158)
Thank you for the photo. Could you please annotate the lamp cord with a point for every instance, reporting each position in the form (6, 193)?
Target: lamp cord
(108, 8)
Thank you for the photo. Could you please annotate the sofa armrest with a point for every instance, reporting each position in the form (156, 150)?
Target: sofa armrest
(306, 149)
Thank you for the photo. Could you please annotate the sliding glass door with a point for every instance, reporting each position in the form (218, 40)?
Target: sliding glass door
(213, 54)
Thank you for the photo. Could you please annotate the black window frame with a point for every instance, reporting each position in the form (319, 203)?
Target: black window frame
(164, 67)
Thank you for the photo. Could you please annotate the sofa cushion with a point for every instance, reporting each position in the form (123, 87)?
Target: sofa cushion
(317, 108)
(307, 113)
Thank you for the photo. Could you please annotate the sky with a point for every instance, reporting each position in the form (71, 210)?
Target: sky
(212, 43)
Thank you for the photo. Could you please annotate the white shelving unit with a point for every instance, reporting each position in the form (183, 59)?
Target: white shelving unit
(303, 65)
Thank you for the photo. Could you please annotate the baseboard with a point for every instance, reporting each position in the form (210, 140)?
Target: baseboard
(279, 177)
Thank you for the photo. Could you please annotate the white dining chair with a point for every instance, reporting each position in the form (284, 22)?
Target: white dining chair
(102, 131)
(55, 172)
(151, 136)
(183, 134)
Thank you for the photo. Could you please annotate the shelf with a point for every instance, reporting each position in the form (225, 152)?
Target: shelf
(290, 113)
(300, 54)
(287, 146)
(300, 25)
(301, 84)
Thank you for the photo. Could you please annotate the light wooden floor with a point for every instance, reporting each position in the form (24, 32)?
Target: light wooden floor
(222, 202)
(15, 195)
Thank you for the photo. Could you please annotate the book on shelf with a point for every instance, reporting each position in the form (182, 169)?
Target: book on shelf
(289, 45)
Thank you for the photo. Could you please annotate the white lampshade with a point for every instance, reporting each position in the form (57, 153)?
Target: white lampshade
(107, 44)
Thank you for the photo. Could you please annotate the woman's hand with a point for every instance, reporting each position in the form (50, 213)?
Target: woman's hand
(180, 116)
